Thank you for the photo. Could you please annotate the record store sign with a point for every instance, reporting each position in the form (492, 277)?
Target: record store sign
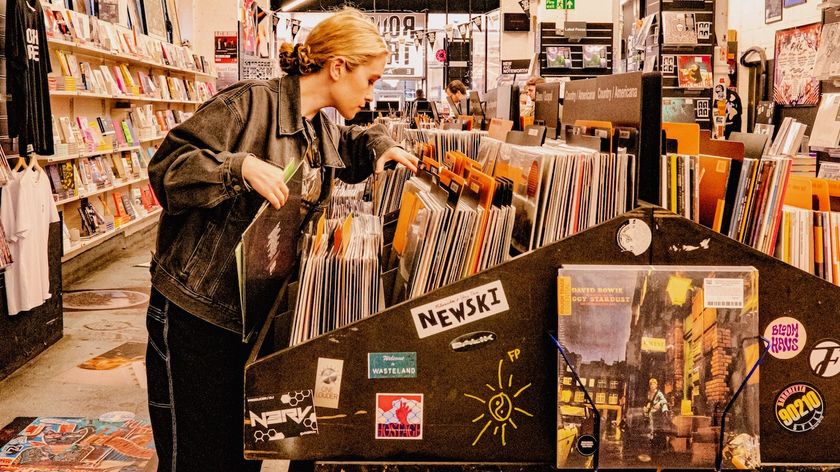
(405, 59)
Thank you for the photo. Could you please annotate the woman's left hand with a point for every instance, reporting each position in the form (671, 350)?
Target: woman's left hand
(399, 155)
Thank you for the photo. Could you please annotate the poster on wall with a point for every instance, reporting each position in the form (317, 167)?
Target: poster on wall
(154, 19)
(794, 81)
(405, 60)
(828, 53)
(225, 58)
(772, 11)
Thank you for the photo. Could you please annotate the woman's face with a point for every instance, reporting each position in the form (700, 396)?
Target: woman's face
(353, 90)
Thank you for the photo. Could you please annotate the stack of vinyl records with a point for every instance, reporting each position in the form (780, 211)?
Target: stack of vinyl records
(681, 192)
(488, 153)
(809, 232)
(339, 275)
(388, 189)
(758, 204)
(563, 190)
(435, 143)
(452, 223)
(346, 199)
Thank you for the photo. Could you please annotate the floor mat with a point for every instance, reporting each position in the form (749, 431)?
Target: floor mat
(103, 299)
(114, 441)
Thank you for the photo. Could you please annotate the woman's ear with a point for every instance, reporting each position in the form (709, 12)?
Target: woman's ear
(337, 67)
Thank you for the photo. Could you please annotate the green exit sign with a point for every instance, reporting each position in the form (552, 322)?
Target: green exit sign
(551, 4)
(568, 4)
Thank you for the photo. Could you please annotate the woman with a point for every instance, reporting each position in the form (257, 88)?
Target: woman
(211, 174)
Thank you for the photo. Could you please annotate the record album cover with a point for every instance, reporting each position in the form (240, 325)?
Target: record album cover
(695, 71)
(558, 57)
(661, 351)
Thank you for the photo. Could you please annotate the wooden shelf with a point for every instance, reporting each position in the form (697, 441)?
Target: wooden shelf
(94, 241)
(50, 159)
(99, 191)
(101, 96)
(93, 51)
(154, 138)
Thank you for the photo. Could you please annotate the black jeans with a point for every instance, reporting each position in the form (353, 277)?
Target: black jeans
(195, 374)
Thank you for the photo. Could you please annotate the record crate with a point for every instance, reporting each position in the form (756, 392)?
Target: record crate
(444, 372)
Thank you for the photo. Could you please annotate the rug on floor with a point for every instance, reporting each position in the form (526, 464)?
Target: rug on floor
(116, 441)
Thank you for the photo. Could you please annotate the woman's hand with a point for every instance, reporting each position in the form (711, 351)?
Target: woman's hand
(399, 155)
(266, 179)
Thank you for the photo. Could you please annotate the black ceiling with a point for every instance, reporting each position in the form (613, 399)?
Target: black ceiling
(432, 6)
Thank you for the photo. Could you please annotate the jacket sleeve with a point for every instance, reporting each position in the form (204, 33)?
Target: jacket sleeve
(359, 148)
(193, 168)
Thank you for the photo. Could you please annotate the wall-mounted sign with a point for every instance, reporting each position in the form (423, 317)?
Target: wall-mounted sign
(516, 66)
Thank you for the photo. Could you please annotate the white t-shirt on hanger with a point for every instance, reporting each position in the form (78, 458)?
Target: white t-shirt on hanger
(28, 209)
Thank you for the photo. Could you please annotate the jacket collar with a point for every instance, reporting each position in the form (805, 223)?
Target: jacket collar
(290, 121)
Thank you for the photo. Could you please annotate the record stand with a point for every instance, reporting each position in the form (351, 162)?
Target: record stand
(484, 390)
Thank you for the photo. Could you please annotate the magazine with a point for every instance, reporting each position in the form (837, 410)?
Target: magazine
(678, 110)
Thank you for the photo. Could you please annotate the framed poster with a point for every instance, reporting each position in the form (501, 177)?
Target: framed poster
(794, 78)
(172, 16)
(793, 3)
(772, 11)
(154, 19)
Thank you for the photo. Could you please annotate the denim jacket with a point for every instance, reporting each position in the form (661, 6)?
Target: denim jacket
(196, 175)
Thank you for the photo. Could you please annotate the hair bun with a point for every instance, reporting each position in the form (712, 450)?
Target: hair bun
(297, 60)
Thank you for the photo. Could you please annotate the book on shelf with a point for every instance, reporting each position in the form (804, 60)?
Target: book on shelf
(129, 208)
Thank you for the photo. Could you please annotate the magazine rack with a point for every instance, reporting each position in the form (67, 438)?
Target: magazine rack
(455, 366)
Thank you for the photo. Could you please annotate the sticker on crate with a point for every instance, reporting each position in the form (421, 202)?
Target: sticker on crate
(460, 309)
(825, 358)
(392, 365)
(279, 416)
(328, 382)
(399, 416)
(786, 336)
(800, 408)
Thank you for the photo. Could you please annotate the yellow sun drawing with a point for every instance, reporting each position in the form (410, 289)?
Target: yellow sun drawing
(500, 408)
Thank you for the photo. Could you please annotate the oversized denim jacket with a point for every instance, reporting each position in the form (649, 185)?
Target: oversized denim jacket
(196, 175)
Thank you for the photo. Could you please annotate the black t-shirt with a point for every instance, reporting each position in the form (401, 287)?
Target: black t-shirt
(28, 59)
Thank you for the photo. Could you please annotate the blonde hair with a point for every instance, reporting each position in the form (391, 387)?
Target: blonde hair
(348, 33)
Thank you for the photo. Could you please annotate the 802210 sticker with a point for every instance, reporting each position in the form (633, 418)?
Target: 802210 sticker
(800, 408)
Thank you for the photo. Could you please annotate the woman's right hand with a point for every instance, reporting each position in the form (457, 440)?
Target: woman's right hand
(266, 179)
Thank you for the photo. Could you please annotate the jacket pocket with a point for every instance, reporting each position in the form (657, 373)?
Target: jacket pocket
(198, 262)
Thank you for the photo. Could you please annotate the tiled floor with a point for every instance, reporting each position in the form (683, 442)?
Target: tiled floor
(43, 387)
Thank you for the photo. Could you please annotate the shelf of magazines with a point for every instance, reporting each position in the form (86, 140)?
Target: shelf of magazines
(70, 157)
(131, 98)
(117, 185)
(137, 224)
(94, 51)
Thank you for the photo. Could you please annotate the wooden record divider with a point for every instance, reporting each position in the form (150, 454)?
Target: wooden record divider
(450, 380)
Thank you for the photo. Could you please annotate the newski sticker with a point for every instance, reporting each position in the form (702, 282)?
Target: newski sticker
(460, 309)
(471, 341)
